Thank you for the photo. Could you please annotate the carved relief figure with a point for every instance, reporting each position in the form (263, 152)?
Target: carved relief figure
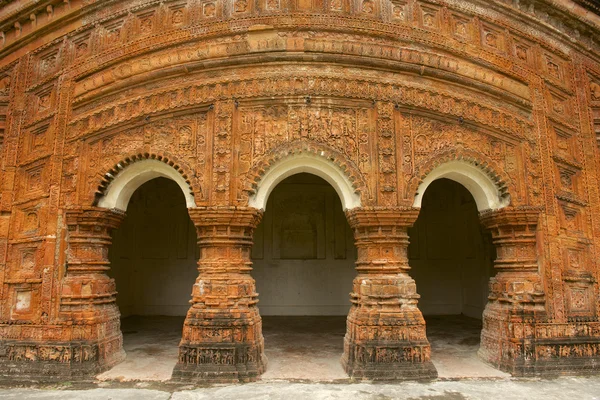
(429, 19)
(368, 7)
(521, 52)
(336, 5)
(4, 85)
(491, 39)
(273, 4)
(209, 9)
(461, 28)
(398, 11)
(566, 180)
(44, 101)
(553, 69)
(146, 25)
(31, 221)
(47, 64)
(177, 17)
(241, 6)
(81, 49)
(595, 90)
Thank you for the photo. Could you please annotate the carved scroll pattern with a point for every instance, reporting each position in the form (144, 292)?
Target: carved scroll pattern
(345, 129)
(182, 138)
(425, 139)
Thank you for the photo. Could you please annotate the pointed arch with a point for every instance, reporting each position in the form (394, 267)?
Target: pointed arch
(321, 163)
(116, 190)
(488, 187)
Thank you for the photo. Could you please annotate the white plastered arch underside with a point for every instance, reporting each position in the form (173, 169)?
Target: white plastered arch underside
(308, 163)
(477, 182)
(119, 191)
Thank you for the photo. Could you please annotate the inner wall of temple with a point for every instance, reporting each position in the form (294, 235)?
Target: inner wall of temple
(451, 257)
(303, 254)
(154, 252)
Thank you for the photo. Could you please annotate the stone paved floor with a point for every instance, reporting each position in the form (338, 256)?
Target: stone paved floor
(500, 389)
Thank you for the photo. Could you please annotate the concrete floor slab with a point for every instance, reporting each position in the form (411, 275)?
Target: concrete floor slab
(298, 348)
(454, 344)
(151, 345)
(304, 348)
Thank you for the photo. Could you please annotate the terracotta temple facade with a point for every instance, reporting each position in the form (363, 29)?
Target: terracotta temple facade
(227, 98)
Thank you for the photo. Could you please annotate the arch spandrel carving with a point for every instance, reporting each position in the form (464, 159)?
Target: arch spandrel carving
(116, 190)
(484, 190)
(318, 160)
(490, 188)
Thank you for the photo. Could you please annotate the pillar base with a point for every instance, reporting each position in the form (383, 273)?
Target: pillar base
(546, 358)
(382, 347)
(219, 364)
(525, 343)
(54, 361)
(388, 371)
(217, 349)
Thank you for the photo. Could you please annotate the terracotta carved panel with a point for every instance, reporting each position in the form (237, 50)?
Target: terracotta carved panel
(381, 92)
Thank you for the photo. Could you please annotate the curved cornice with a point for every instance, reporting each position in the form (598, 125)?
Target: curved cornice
(574, 25)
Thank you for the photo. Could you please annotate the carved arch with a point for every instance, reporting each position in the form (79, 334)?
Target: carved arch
(119, 183)
(298, 157)
(477, 173)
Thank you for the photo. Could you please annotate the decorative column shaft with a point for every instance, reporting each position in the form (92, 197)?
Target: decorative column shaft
(222, 334)
(516, 299)
(88, 298)
(385, 336)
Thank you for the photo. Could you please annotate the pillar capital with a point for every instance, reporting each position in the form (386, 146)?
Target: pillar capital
(228, 217)
(225, 238)
(382, 217)
(381, 235)
(90, 218)
(516, 218)
(514, 235)
(89, 238)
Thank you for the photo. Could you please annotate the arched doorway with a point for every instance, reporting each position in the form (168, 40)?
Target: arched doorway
(451, 258)
(153, 261)
(304, 264)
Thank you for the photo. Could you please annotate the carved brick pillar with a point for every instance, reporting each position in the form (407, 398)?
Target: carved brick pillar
(516, 299)
(88, 298)
(222, 334)
(385, 335)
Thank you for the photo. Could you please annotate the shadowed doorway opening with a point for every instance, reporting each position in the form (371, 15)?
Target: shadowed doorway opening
(154, 263)
(304, 263)
(451, 259)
